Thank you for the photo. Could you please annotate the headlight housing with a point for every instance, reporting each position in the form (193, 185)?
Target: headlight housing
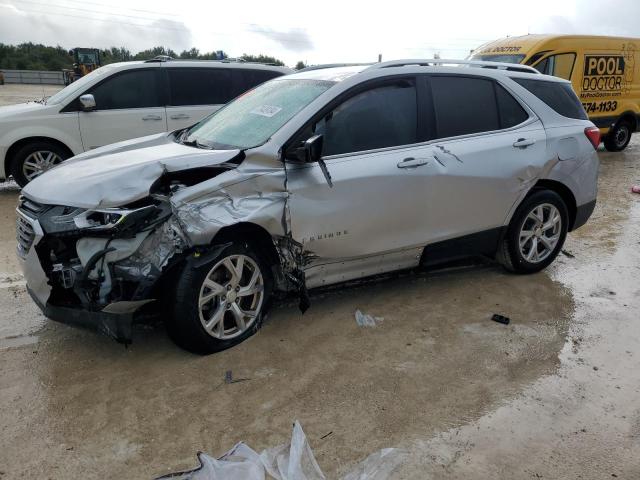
(109, 219)
(100, 219)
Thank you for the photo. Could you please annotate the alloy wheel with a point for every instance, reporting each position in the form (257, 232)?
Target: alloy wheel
(231, 297)
(540, 233)
(39, 162)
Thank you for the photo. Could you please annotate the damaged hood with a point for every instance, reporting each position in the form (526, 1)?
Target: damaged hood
(119, 174)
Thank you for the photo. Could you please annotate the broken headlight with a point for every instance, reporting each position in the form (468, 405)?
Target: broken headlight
(113, 218)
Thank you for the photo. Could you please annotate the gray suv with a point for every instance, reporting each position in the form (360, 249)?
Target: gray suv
(311, 179)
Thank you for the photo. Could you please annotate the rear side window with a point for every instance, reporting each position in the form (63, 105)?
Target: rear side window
(384, 116)
(559, 96)
(464, 105)
(244, 80)
(199, 86)
(511, 112)
(130, 89)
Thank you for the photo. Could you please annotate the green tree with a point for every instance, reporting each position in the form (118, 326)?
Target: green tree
(154, 52)
(300, 65)
(115, 54)
(261, 59)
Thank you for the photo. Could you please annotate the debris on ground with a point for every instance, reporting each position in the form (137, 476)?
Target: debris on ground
(568, 254)
(294, 461)
(228, 378)
(366, 320)
(635, 189)
(500, 319)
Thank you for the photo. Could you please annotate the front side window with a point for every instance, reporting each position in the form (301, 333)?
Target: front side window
(251, 119)
(560, 65)
(464, 105)
(384, 116)
(130, 89)
(199, 86)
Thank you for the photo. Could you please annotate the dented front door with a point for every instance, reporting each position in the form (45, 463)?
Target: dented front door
(366, 222)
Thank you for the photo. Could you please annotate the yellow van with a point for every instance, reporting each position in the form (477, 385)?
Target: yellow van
(603, 71)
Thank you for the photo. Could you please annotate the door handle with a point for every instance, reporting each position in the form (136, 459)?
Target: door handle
(151, 117)
(523, 142)
(411, 162)
(180, 116)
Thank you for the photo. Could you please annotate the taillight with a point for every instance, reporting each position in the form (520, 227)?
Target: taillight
(593, 134)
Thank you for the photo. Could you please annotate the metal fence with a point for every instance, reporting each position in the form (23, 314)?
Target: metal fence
(33, 76)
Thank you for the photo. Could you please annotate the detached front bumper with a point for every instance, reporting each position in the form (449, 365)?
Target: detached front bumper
(114, 319)
(118, 326)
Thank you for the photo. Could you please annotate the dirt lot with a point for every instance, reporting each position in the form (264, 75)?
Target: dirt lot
(556, 394)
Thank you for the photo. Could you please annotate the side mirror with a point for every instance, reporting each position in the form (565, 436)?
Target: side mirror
(88, 102)
(311, 149)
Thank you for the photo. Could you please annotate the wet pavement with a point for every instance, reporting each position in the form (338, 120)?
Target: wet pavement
(555, 394)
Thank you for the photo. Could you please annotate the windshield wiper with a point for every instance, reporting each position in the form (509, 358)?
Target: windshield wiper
(192, 143)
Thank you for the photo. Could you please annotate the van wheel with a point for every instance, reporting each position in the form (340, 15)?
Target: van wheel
(34, 159)
(535, 234)
(619, 137)
(220, 303)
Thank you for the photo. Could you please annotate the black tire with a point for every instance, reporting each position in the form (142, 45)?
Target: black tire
(619, 137)
(17, 162)
(185, 327)
(509, 252)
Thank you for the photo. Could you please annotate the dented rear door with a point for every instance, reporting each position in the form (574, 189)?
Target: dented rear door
(489, 147)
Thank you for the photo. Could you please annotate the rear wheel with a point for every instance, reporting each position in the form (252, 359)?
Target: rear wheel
(221, 303)
(536, 233)
(34, 159)
(619, 137)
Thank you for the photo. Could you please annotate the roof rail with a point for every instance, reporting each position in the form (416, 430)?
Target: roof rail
(159, 58)
(331, 65)
(514, 67)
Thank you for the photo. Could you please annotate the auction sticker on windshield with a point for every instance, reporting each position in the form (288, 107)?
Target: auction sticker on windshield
(266, 110)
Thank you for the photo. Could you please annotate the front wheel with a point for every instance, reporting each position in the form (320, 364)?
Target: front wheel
(619, 137)
(535, 234)
(34, 159)
(220, 303)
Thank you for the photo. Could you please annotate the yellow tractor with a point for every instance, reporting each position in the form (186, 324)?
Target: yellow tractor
(85, 60)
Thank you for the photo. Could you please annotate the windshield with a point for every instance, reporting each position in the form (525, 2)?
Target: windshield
(499, 58)
(251, 119)
(75, 87)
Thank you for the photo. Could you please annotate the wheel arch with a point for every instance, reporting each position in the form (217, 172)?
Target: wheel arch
(629, 116)
(18, 144)
(565, 193)
(255, 235)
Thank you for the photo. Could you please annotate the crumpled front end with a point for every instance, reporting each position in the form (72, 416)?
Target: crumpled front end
(97, 268)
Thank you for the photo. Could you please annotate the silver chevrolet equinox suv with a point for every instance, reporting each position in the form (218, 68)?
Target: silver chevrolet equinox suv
(319, 177)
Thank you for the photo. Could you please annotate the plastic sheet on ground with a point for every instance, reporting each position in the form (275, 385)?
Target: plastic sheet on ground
(293, 461)
(366, 320)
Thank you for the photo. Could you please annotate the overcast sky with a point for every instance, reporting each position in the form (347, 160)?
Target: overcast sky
(314, 32)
